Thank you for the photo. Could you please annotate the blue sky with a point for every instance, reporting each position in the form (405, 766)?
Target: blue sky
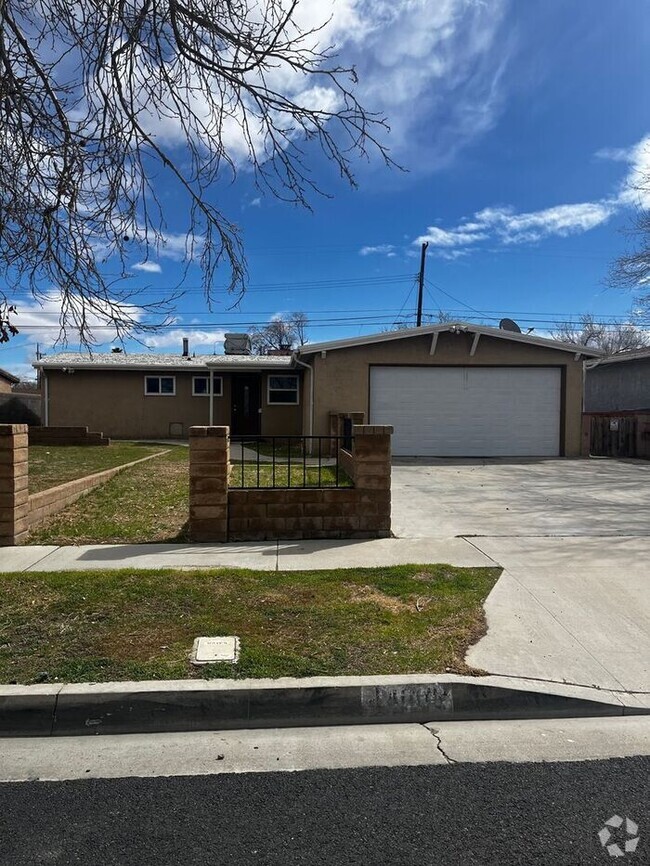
(521, 125)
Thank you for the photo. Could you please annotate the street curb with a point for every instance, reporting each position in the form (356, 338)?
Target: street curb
(200, 705)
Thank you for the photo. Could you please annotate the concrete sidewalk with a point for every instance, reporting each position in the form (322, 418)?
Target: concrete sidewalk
(574, 610)
(265, 556)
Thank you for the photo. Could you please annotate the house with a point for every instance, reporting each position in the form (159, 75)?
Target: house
(156, 396)
(451, 390)
(7, 380)
(619, 383)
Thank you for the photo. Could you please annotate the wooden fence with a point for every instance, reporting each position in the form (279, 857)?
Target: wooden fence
(616, 434)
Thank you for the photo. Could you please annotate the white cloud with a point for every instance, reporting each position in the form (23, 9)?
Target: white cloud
(199, 340)
(380, 249)
(635, 190)
(148, 267)
(39, 322)
(426, 66)
(507, 226)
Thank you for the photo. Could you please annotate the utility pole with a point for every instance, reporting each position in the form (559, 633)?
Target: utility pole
(421, 283)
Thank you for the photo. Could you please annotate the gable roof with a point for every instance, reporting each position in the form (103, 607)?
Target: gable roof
(636, 355)
(154, 361)
(453, 327)
(4, 374)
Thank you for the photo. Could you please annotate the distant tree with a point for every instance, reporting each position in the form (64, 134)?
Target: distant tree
(282, 333)
(612, 339)
(632, 269)
(100, 100)
(439, 318)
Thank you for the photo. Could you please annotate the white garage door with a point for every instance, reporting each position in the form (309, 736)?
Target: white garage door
(469, 411)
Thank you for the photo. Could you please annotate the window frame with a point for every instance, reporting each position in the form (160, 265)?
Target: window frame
(160, 392)
(295, 402)
(216, 379)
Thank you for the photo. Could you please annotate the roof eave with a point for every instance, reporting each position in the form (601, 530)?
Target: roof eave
(387, 336)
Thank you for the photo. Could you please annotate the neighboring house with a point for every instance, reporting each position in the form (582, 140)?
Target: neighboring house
(619, 383)
(6, 381)
(456, 390)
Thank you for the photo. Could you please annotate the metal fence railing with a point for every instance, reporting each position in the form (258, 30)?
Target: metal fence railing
(287, 461)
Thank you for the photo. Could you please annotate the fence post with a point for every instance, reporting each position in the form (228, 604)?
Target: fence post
(209, 469)
(14, 484)
(372, 474)
(585, 448)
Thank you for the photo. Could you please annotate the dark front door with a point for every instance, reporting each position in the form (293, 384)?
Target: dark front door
(245, 415)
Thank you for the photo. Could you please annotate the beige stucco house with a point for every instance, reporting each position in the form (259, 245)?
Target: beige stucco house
(452, 390)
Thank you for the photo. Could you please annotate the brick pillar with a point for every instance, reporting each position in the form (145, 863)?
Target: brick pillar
(209, 467)
(372, 468)
(14, 489)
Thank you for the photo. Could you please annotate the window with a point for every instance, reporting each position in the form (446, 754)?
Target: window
(160, 386)
(283, 390)
(201, 386)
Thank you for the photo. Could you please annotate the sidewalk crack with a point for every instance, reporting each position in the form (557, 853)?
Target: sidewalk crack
(434, 733)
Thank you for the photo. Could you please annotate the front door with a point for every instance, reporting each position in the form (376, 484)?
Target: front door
(245, 414)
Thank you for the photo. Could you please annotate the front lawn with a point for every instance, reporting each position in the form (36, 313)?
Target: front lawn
(121, 625)
(149, 502)
(266, 475)
(50, 465)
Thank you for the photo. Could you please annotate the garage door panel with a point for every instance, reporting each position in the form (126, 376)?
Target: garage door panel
(469, 411)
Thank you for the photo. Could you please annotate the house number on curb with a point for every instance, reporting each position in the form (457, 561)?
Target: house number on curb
(208, 650)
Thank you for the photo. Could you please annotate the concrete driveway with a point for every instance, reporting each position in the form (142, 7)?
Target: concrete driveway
(573, 537)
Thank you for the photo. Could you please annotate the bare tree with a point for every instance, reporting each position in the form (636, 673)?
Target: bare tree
(99, 99)
(612, 339)
(632, 269)
(280, 334)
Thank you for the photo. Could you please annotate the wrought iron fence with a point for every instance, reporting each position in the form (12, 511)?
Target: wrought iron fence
(288, 461)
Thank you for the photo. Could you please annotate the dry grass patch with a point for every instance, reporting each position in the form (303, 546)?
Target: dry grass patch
(118, 625)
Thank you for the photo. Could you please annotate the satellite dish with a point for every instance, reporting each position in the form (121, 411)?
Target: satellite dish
(509, 325)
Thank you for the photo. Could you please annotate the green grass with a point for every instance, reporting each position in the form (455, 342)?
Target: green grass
(262, 475)
(148, 503)
(117, 625)
(282, 448)
(50, 465)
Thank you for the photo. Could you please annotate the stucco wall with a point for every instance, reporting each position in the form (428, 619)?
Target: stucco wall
(114, 403)
(622, 385)
(342, 377)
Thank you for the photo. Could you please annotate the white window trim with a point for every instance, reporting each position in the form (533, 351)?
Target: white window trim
(216, 379)
(295, 402)
(160, 393)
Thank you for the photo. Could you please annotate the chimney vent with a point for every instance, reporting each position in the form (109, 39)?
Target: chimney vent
(186, 347)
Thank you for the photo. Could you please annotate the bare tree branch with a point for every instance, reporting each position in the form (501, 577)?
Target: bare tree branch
(100, 99)
(612, 339)
(281, 334)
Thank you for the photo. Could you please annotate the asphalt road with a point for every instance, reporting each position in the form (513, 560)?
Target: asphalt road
(465, 814)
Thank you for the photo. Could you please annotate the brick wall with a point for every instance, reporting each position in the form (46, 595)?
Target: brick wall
(218, 513)
(19, 511)
(14, 484)
(65, 436)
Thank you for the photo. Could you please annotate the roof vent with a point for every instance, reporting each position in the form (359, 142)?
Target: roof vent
(237, 344)
(509, 325)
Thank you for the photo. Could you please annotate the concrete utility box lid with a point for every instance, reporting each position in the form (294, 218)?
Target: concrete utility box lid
(208, 650)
